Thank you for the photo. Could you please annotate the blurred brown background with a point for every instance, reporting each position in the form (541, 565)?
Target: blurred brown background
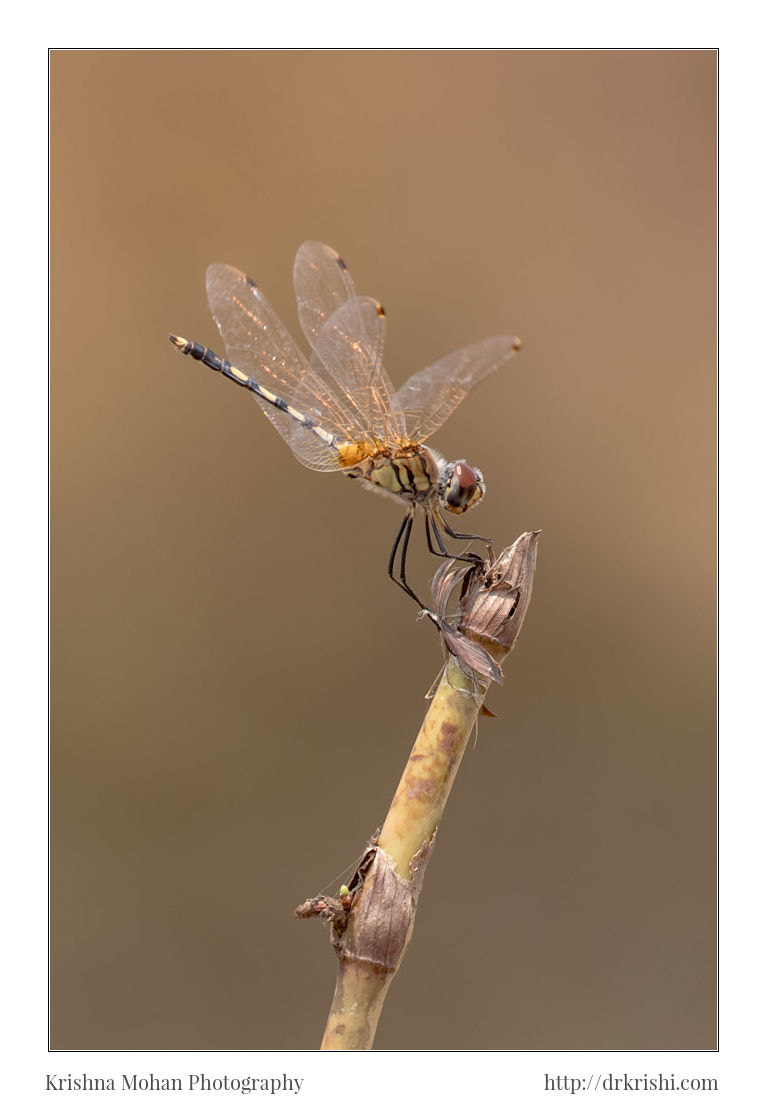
(236, 684)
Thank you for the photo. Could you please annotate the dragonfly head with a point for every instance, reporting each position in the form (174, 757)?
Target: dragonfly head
(462, 487)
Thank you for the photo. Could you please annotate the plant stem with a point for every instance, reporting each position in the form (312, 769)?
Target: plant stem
(371, 938)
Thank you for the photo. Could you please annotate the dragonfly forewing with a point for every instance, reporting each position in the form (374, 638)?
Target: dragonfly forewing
(322, 284)
(350, 346)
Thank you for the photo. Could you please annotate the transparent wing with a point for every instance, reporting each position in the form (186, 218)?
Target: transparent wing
(311, 447)
(259, 345)
(350, 347)
(322, 284)
(424, 402)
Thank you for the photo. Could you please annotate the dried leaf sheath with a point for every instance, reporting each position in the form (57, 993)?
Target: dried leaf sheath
(371, 940)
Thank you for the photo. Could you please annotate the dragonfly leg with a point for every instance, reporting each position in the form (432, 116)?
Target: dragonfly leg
(441, 550)
(401, 542)
(467, 536)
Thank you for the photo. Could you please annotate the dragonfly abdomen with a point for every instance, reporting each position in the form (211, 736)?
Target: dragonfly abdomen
(222, 366)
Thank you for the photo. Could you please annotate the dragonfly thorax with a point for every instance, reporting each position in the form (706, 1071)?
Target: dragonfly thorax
(417, 474)
(411, 473)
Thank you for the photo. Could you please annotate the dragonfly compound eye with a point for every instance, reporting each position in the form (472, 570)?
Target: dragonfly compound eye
(464, 488)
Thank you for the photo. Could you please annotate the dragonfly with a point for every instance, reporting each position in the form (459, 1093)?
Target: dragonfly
(338, 409)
